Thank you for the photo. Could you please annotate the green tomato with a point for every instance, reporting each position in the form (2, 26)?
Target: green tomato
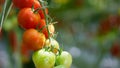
(60, 66)
(64, 59)
(43, 59)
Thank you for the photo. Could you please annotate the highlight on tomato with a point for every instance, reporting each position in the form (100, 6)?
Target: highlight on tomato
(33, 39)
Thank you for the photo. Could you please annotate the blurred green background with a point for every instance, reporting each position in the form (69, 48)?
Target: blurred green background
(88, 29)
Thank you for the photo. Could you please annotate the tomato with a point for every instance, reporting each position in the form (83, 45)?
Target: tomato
(60, 66)
(25, 52)
(64, 59)
(12, 40)
(115, 50)
(52, 43)
(43, 59)
(51, 29)
(23, 3)
(28, 19)
(45, 31)
(38, 5)
(33, 39)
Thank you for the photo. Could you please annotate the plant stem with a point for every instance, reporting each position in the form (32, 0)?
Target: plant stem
(3, 13)
(46, 18)
(6, 10)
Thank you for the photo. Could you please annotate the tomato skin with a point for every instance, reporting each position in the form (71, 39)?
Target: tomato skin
(23, 3)
(33, 39)
(43, 59)
(64, 59)
(60, 66)
(28, 19)
(52, 43)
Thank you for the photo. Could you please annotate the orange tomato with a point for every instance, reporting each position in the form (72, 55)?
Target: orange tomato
(33, 39)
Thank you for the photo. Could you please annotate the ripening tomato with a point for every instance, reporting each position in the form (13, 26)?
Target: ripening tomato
(43, 59)
(33, 39)
(52, 43)
(38, 5)
(64, 59)
(28, 19)
(23, 3)
(115, 50)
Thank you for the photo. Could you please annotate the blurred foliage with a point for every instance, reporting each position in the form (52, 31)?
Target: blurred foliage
(88, 29)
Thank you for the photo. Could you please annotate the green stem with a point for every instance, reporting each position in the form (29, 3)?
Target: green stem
(6, 10)
(3, 14)
(46, 18)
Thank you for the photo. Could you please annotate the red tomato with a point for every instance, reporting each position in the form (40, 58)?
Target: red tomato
(25, 52)
(51, 29)
(28, 19)
(23, 3)
(45, 31)
(13, 40)
(36, 6)
(33, 39)
(115, 50)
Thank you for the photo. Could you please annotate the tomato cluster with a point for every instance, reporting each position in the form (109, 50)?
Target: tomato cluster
(38, 35)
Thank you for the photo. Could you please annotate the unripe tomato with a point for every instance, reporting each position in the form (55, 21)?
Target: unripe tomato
(64, 59)
(28, 19)
(60, 66)
(23, 3)
(52, 43)
(43, 59)
(33, 39)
